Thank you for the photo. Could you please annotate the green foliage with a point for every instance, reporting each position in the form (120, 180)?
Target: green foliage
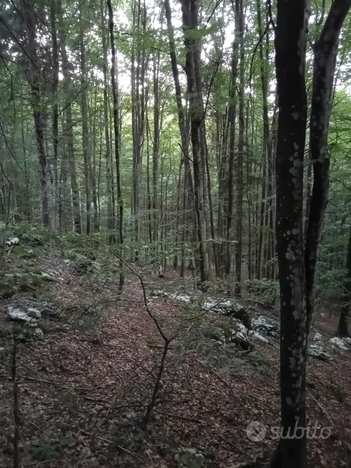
(24, 253)
(80, 262)
(7, 289)
(266, 291)
(29, 335)
(45, 450)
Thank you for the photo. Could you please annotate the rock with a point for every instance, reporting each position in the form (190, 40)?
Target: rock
(47, 277)
(266, 325)
(38, 333)
(190, 458)
(28, 335)
(33, 312)
(257, 336)
(45, 309)
(236, 334)
(181, 297)
(158, 293)
(18, 315)
(340, 343)
(12, 241)
(317, 337)
(229, 308)
(318, 352)
(33, 323)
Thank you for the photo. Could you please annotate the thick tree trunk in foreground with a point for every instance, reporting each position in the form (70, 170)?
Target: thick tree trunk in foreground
(290, 44)
(295, 318)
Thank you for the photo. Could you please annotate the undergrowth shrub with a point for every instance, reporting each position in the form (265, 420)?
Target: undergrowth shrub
(264, 290)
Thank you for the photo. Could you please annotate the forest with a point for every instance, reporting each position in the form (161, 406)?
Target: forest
(175, 233)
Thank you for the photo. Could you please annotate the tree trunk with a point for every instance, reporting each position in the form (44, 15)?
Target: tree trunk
(343, 326)
(55, 114)
(110, 218)
(325, 51)
(192, 70)
(69, 123)
(231, 148)
(239, 8)
(85, 132)
(117, 142)
(36, 102)
(290, 44)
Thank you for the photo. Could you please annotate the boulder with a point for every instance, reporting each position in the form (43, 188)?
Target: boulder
(266, 325)
(255, 335)
(229, 307)
(18, 315)
(45, 308)
(12, 241)
(47, 277)
(317, 352)
(158, 293)
(340, 343)
(181, 297)
(190, 458)
(33, 312)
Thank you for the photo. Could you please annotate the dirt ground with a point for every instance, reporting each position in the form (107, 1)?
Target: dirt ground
(85, 387)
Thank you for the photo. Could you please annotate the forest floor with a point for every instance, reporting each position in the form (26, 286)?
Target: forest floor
(84, 387)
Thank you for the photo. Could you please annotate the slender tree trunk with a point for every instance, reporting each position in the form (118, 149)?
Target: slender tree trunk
(69, 122)
(55, 114)
(36, 102)
(110, 218)
(231, 149)
(117, 142)
(343, 326)
(85, 132)
(239, 7)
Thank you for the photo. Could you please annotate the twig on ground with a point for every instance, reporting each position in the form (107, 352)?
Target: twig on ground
(234, 446)
(167, 341)
(112, 443)
(183, 418)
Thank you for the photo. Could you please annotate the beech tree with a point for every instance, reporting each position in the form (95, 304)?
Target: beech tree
(196, 126)
(297, 262)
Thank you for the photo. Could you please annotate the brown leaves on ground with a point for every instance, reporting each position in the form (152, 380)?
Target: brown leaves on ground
(83, 391)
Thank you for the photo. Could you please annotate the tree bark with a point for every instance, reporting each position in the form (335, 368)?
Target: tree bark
(290, 44)
(325, 51)
(343, 326)
(239, 7)
(192, 70)
(36, 101)
(117, 142)
(69, 123)
(85, 132)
